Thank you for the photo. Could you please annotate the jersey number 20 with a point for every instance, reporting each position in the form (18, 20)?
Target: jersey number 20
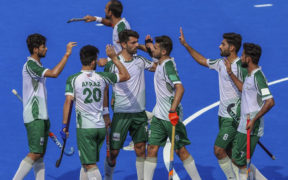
(95, 93)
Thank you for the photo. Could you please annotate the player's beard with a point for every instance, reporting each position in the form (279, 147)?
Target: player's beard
(41, 55)
(132, 51)
(225, 53)
(244, 64)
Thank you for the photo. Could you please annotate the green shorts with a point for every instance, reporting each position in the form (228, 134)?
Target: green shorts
(89, 143)
(135, 123)
(37, 133)
(239, 148)
(227, 132)
(160, 130)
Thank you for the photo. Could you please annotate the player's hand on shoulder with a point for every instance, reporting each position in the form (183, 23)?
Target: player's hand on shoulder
(110, 51)
(228, 66)
(69, 47)
(89, 18)
(181, 37)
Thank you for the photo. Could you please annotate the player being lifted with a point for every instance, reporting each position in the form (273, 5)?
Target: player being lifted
(256, 101)
(35, 112)
(169, 91)
(129, 106)
(87, 88)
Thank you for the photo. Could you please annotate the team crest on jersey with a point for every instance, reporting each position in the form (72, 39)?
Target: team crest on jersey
(41, 141)
(177, 137)
(116, 137)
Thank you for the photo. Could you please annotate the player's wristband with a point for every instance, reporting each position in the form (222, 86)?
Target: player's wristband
(105, 110)
(148, 41)
(98, 19)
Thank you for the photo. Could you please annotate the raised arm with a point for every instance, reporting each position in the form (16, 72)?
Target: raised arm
(60, 66)
(104, 21)
(196, 55)
(123, 73)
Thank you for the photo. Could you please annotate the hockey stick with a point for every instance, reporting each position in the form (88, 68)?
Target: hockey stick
(171, 165)
(51, 135)
(233, 115)
(57, 142)
(248, 157)
(58, 162)
(107, 142)
(75, 20)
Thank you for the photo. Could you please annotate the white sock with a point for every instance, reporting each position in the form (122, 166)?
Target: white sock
(243, 174)
(140, 167)
(226, 166)
(189, 165)
(256, 173)
(94, 174)
(149, 167)
(236, 171)
(108, 170)
(83, 174)
(39, 169)
(24, 168)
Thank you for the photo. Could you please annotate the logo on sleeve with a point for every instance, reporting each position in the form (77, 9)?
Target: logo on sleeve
(41, 141)
(116, 137)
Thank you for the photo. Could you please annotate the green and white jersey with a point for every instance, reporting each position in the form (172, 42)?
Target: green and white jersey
(229, 94)
(165, 78)
(87, 88)
(254, 92)
(120, 26)
(130, 95)
(34, 91)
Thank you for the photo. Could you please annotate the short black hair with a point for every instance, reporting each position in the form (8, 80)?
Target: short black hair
(125, 34)
(88, 54)
(233, 39)
(165, 42)
(252, 50)
(35, 41)
(116, 8)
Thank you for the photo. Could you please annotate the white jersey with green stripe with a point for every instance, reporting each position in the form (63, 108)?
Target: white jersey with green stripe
(34, 91)
(165, 78)
(229, 93)
(129, 96)
(87, 88)
(254, 92)
(120, 26)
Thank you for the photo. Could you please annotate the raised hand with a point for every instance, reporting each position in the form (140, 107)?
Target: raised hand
(110, 51)
(181, 37)
(69, 47)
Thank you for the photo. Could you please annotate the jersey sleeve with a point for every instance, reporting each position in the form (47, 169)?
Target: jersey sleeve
(109, 78)
(262, 86)
(70, 85)
(108, 66)
(121, 26)
(35, 70)
(172, 73)
(147, 64)
(214, 64)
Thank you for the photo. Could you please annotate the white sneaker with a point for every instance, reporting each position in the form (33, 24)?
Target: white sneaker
(130, 147)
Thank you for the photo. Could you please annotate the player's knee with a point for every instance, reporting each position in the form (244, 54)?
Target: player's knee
(182, 153)
(35, 156)
(114, 154)
(140, 149)
(152, 150)
(219, 152)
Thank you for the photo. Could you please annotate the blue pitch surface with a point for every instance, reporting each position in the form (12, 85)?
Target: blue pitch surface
(203, 23)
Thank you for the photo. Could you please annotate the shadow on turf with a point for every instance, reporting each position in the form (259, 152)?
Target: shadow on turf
(272, 173)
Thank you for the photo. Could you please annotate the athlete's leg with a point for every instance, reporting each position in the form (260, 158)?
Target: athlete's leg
(92, 172)
(188, 163)
(110, 164)
(150, 162)
(83, 174)
(140, 158)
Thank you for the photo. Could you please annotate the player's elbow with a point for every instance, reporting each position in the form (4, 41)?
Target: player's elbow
(125, 77)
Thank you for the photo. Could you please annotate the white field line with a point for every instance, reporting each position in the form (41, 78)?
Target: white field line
(262, 5)
(166, 150)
